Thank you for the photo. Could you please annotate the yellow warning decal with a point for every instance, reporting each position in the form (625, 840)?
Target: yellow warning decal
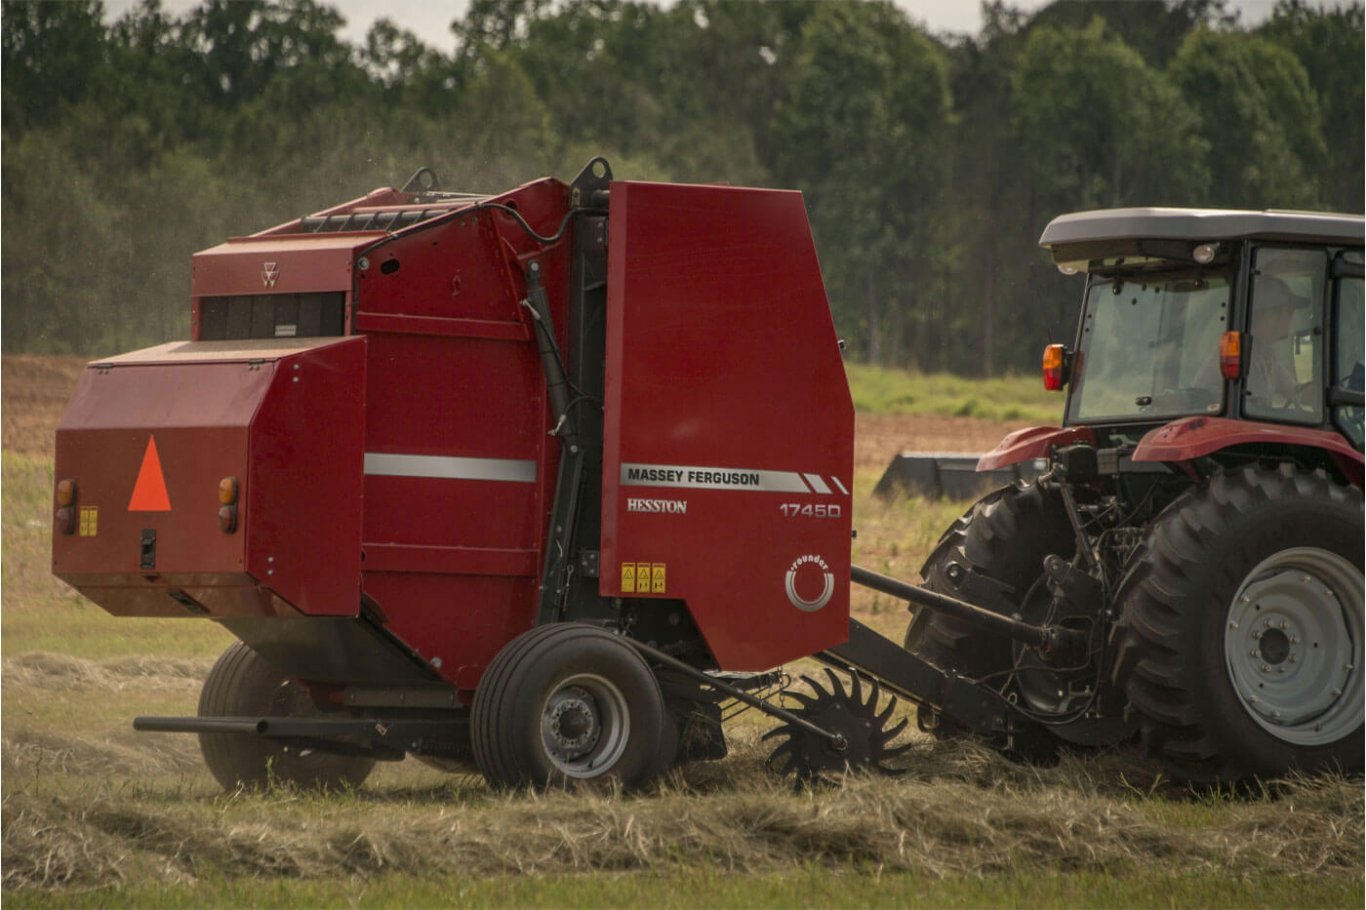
(90, 521)
(643, 578)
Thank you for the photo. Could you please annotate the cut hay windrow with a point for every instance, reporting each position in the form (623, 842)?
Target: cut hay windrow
(84, 814)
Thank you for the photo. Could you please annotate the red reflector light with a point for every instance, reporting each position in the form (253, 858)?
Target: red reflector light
(227, 519)
(1054, 367)
(1231, 355)
(66, 520)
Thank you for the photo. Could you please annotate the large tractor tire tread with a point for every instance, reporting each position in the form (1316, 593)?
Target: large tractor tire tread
(243, 684)
(1175, 603)
(1006, 536)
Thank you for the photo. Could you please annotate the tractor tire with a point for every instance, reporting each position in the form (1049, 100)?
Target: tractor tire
(1005, 537)
(243, 684)
(568, 704)
(1241, 629)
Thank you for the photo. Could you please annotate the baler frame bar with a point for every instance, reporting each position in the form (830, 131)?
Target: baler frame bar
(385, 739)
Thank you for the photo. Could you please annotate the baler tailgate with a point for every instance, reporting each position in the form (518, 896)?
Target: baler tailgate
(149, 439)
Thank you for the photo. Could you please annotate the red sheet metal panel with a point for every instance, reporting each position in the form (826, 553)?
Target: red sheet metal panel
(304, 491)
(728, 450)
(212, 410)
(459, 469)
(283, 264)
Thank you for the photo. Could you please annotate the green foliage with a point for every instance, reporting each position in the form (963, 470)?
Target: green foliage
(878, 390)
(929, 165)
(1259, 116)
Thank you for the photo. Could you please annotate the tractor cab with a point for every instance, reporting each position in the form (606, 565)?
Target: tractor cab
(1244, 316)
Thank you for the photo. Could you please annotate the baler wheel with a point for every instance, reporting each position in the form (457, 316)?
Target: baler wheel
(1242, 628)
(243, 684)
(867, 737)
(568, 704)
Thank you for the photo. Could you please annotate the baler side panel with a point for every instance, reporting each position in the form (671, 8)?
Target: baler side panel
(728, 450)
(459, 467)
(303, 509)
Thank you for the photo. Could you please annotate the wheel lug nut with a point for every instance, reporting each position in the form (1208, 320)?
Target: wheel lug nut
(1232, 624)
(1284, 624)
(1254, 653)
(1293, 659)
(1294, 639)
(1256, 635)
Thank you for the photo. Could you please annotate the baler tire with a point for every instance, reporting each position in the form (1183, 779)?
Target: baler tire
(1192, 614)
(572, 670)
(243, 684)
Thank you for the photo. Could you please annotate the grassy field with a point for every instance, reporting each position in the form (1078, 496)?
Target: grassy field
(878, 390)
(95, 815)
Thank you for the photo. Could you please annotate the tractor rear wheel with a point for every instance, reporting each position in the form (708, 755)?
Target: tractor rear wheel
(568, 704)
(999, 547)
(243, 684)
(1241, 647)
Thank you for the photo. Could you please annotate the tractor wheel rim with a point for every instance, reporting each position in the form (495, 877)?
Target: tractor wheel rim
(585, 726)
(1293, 646)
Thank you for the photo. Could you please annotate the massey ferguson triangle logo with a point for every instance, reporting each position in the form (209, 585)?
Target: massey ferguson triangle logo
(270, 274)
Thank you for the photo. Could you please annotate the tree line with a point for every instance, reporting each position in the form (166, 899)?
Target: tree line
(929, 164)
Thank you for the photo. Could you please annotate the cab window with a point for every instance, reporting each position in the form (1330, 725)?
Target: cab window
(1285, 334)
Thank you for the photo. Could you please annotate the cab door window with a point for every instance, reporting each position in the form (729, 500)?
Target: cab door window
(1285, 366)
(1349, 360)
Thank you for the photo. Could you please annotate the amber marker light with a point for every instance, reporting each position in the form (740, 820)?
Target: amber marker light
(66, 506)
(1054, 367)
(227, 512)
(1231, 355)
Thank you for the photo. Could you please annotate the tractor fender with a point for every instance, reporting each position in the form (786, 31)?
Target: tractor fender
(1031, 443)
(1195, 437)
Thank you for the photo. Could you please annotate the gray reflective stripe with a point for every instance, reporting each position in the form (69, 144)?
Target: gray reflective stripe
(693, 477)
(450, 468)
(840, 485)
(817, 483)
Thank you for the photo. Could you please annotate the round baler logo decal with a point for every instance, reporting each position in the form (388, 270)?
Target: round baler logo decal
(790, 583)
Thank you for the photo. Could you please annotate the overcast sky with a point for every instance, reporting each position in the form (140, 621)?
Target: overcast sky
(431, 19)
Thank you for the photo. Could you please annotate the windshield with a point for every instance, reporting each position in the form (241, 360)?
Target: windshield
(1150, 348)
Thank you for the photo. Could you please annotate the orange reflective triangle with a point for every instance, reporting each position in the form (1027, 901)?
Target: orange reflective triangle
(149, 493)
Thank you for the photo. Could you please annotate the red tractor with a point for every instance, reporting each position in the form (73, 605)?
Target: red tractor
(540, 480)
(1201, 516)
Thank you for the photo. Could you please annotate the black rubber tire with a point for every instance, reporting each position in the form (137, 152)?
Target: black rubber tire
(542, 664)
(243, 684)
(1006, 536)
(1175, 610)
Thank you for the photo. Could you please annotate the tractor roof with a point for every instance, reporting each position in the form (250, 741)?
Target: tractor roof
(1200, 226)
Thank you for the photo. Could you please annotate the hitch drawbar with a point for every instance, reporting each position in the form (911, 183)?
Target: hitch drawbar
(1050, 641)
